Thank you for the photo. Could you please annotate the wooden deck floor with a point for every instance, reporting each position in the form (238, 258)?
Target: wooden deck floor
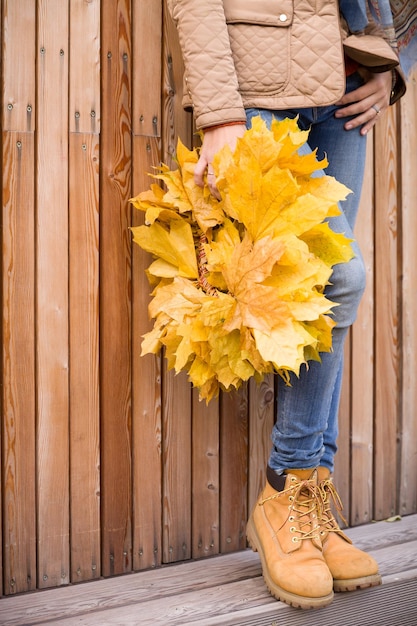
(229, 591)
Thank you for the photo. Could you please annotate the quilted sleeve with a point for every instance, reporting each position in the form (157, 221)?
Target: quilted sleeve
(210, 75)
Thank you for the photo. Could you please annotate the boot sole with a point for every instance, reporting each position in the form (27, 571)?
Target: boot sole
(353, 584)
(299, 602)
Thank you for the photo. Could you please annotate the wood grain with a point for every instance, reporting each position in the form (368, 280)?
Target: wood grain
(146, 389)
(408, 191)
(362, 360)
(18, 363)
(343, 457)
(84, 96)
(176, 467)
(18, 549)
(52, 316)
(261, 420)
(84, 145)
(176, 123)
(227, 589)
(115, 291)
(147, 69)
(18, 65)
(205, 498)
(176, 414)
(84, 356)
(387, 372)
(234, 441)
(146, 371)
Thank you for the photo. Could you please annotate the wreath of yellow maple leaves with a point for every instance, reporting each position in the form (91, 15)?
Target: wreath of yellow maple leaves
(239, 283)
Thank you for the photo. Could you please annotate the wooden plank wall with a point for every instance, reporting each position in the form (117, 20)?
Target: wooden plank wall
(109, 463)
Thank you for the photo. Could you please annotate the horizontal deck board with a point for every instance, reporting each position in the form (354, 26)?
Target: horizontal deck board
(223, 590)
(389, 605)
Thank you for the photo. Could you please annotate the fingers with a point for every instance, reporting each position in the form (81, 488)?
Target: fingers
(366, 119)
(204, 174)
(199, 171)
(211, 182)
(365, 105)
(213, 140)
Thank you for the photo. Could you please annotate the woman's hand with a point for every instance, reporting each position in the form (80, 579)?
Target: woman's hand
(213, 140)
(367, 102)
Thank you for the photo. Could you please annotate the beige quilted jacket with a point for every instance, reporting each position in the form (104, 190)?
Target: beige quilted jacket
(271, 54)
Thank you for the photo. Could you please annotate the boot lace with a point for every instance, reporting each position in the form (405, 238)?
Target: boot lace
(305, 508)
(328, 496)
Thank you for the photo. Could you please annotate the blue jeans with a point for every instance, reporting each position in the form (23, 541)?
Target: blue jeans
(306, 428)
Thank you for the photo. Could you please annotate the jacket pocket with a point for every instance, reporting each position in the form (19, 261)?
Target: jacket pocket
(260, 32)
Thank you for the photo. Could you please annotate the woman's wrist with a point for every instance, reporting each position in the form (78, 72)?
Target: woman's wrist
(236, 123)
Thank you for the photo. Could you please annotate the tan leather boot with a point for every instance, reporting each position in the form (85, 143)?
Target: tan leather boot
(351, 568)
(283, 528)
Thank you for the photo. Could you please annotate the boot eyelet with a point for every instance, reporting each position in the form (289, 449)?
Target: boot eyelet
(294, 539)
(291, 518)
(290, 498)
(293, 529)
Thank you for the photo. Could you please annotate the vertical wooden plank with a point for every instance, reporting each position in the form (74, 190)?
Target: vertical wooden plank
(146, 372)
(386, 323)
(176, 458)
(84, 99)
(84, 353)
(261, 421)
(362, 369)
(342, 460)
(205, 478)
(233, 469)
(146, 390)
(408, 481)
(176, 123)
(115, 278)
(18, 363)
(2, 436)
(18, 556)
(52, 295)
(147, 69)
(176, 399)
(18, 61)
(84, 88)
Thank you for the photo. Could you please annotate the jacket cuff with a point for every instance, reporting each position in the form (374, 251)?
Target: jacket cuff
(398, 85)
(222, 116)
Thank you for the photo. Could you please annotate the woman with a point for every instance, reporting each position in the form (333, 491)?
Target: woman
(328, 65)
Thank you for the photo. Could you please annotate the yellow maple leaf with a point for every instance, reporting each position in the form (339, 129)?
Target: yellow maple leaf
(321, 330)
(184, 194)
(284, 345)
(257, 305)
(174, 245)
(298, 268)
(329, 246)
(258, 200)
(290, 137)
(151, 197)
